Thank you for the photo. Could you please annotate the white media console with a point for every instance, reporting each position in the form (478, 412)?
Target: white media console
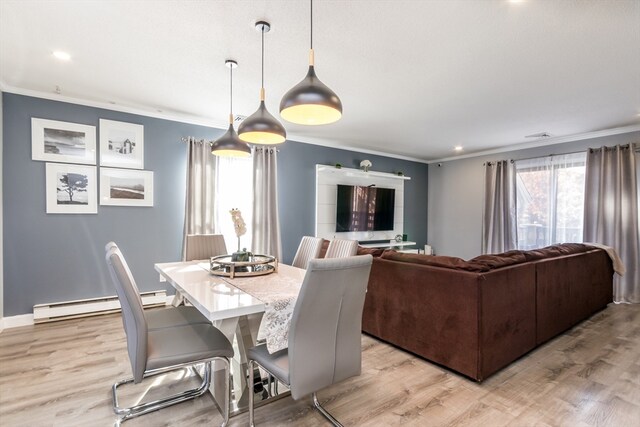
(327, 180)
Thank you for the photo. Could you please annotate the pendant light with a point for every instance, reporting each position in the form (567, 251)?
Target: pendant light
(229, 145)
(311, 102)
(261, 127)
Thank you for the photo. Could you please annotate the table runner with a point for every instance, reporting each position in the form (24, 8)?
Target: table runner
(278, 291)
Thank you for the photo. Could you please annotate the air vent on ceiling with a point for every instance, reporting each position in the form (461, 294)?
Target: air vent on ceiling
(539, 135)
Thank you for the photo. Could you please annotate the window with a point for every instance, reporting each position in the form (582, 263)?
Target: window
(550, 200)
(234, 189)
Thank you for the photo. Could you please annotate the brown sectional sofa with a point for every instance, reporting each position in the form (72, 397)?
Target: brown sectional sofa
(476, 317)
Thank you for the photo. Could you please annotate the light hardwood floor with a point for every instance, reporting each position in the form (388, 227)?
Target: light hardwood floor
(60, 374)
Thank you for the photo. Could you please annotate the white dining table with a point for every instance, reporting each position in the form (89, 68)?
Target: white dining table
(236, 307)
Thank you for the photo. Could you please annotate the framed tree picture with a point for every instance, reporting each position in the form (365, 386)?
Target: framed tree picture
(126, 187)
(53, 141)
(121, 144)
(71, 189)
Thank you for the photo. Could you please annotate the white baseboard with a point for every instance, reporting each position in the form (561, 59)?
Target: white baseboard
(16, 321)
(27, 319)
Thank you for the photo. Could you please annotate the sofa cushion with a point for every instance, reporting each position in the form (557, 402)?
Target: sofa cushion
(323, 249)
(375, 252)
(505, 259)
(450, 262)
(555, 251)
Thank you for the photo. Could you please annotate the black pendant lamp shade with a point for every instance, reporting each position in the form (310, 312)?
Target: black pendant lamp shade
(229, 145)
(261, 127)
(311, 102)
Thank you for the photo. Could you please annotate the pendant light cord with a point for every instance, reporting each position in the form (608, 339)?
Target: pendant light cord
(262, 81)
(231, 95)
(311, 23)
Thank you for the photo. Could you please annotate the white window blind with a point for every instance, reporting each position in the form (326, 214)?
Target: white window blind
(550, 200)
(234, 190)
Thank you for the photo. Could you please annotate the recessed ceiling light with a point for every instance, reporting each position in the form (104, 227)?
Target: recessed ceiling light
(458, 148)
(516, 1)
(62, 56)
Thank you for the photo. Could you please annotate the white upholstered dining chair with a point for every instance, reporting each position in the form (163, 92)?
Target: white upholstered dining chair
(325, 333)
(200, 246)
(341, 248)
(204, 246)
(309, 248)
(160, 344)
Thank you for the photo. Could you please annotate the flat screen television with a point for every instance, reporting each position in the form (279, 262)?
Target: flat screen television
(364, 208)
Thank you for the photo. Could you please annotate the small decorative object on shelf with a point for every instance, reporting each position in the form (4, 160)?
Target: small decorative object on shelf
(398, 238)
(365, 165)
(400, 173)
(338, 166)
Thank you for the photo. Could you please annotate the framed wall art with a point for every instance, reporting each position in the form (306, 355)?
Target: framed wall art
(126, 187)
(71, 189)
(121, 144)
(54, 141)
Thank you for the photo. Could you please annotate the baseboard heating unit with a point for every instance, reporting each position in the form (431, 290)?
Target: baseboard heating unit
(91, 307)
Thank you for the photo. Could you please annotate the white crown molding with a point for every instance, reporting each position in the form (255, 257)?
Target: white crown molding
(189, 119)
(544, 142)
(332, 144)
(114, 107)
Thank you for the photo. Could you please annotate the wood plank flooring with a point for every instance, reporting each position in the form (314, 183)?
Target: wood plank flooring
(60, 374)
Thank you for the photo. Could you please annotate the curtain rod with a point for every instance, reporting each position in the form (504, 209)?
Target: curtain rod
(551, 155)
(637, 150)
(202, 141)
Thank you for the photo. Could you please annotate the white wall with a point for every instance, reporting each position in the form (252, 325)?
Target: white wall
(456, 192)
(1, 224)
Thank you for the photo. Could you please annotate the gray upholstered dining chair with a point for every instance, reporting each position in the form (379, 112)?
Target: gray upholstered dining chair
(165, 317)
(340, 248)
(325, 333)
(204, 246)
(309, 248)
(167, 347)
(200, 246)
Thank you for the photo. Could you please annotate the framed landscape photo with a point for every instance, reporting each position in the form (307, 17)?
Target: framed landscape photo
(53, 141)
(71, 189)
(126, 187)
(121, 144)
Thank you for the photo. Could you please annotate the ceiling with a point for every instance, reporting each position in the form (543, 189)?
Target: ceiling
(416, 78)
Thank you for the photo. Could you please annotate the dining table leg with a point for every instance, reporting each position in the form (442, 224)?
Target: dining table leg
(242, 332)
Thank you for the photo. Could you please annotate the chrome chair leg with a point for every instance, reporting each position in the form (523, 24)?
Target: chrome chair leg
(145, 408)
(251, 391)
(324, 412)
(227, 391)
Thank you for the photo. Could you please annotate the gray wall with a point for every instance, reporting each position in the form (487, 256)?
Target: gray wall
(456, 194)
(56, 257)
(59, 257)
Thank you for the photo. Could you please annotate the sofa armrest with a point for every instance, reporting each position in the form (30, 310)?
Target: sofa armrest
(507, 316)
(429, 311)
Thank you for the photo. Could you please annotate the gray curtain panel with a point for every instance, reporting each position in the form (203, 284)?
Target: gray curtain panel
(199, 213)
(499, 228)
(266, 221)
(611, 212)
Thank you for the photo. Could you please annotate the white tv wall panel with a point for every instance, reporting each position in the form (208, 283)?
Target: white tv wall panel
(327, 180)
